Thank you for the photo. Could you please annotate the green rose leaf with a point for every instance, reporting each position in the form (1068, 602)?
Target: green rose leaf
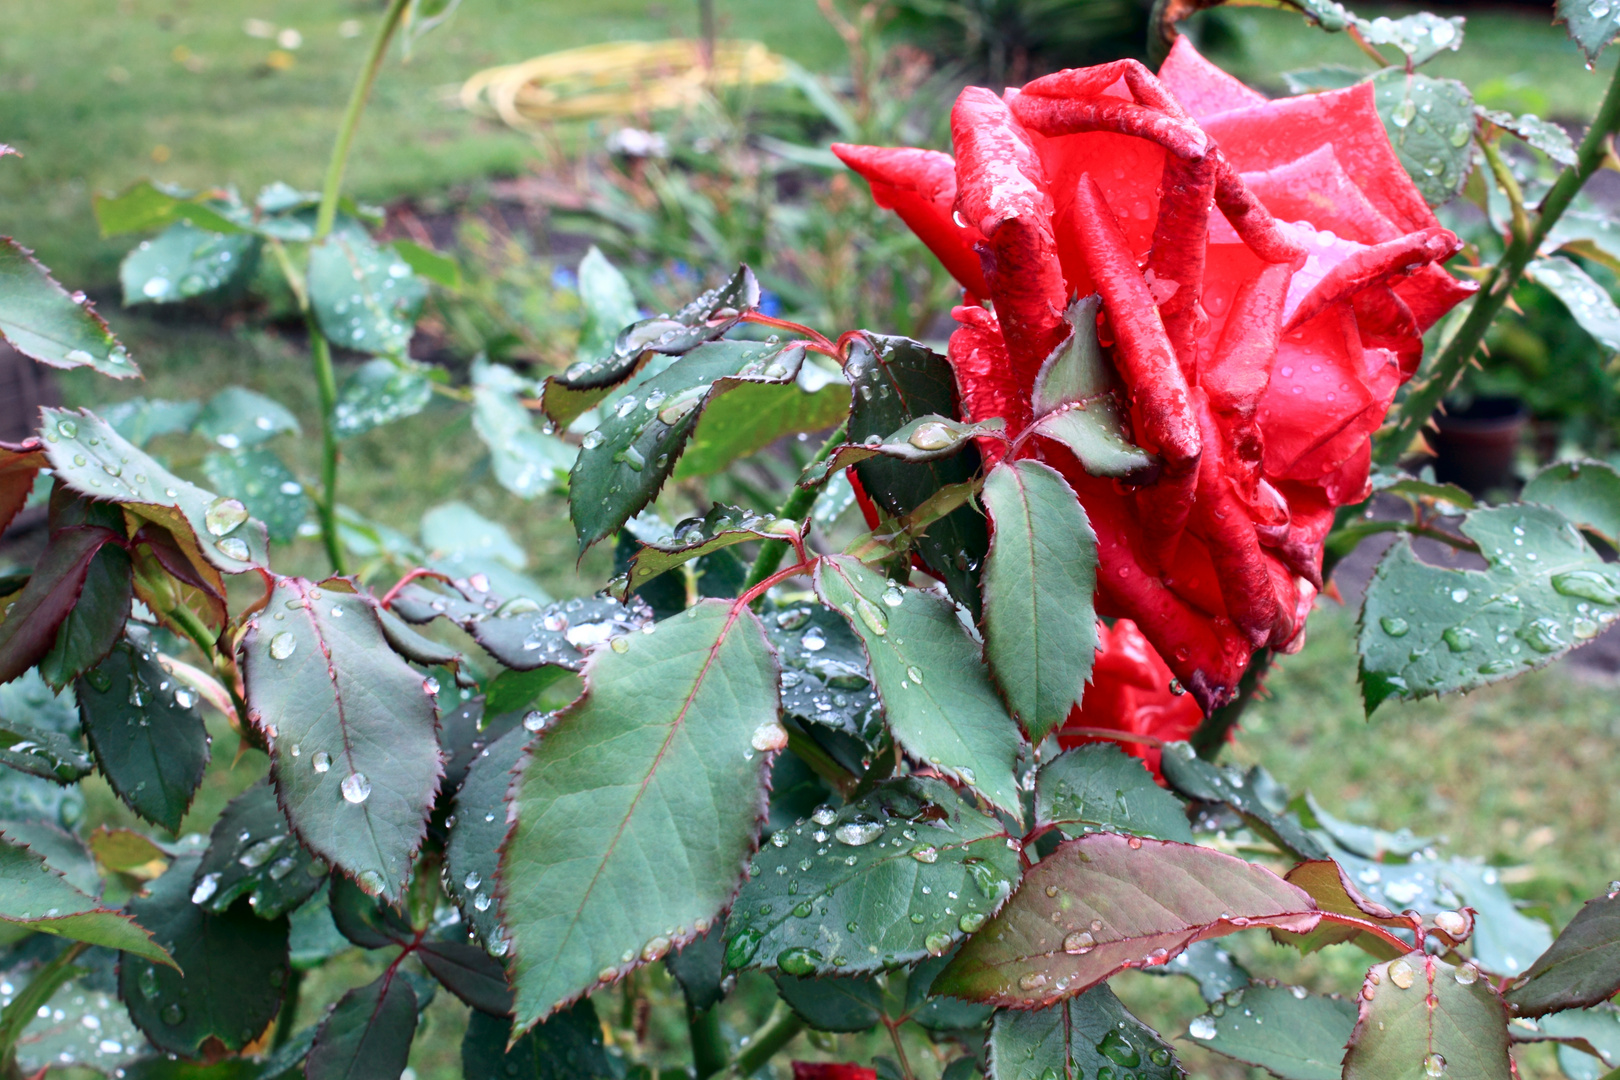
(140, 420)
(826, 679)
(526, 461)
(1581, 968)
(144, 729)
(1103, 903)
(566, 1047)
(1586, 492)
(41, 320)
(473, 853)
(379, 392)
(1592, 26)
(887, 880)
(261, 481)
(520, 633)
(894, 381)
(1098, 787)
(234, 965)
(699, 966)
(1420, 1018)
(184, 262)
(1598, 1028)
(1089, 1035)
(1547, 137)
(1421, 37)
(749, 418)
(1040, 628)
(705, 319)
(214, 531)
(1588, 302)
(1210, 966)
(695, 537)
(80, 1024)
(251, 852)
(351, 728)
(1196, 778)
(1428, 630)
(1288, 1032)
(926, 438)
(365, 297)
(1430, 123)
(470, 973)
(435, 267)
(844, 1004)
(637, 809)
(98, 614)
(935, 690)
(37, 896)
(1313, 80)
(46, 754)
(609, 305)
(144, 206)
(625, 460)
(368, 1033)
(237, 417)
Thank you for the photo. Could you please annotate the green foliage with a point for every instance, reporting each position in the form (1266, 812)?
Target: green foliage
(1419, 1015)
(1283, 1029)
(1098, 788)
(232, 969)
(1089, 1034)
(1039, 625)
(1428, 630)
(690, 712)
(890, 879)
(357, 773)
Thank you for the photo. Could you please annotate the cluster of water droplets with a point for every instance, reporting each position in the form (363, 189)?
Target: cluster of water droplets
(889, 834)
(825, 679)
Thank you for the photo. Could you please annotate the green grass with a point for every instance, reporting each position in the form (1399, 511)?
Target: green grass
(95, 94)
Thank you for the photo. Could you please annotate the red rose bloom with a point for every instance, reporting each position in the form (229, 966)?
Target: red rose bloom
(1266, 270)
(1131, 691)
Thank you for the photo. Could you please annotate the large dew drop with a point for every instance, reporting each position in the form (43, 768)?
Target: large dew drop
(356, 788)
(282, 646)
(223, 515)
(858, 832)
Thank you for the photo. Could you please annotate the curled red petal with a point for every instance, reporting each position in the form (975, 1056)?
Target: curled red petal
(1052, 116)
(1001, 189)
(1252, 221)
(1373, 265)
(920, 187)
(1175, 269)
(1316, 189)
(1234, 549)
(1146, 361)
(1201, 87)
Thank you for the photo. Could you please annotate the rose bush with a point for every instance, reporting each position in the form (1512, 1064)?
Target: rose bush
(1259, 347)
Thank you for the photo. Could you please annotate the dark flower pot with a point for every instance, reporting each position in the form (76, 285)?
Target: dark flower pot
(1476, 447)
